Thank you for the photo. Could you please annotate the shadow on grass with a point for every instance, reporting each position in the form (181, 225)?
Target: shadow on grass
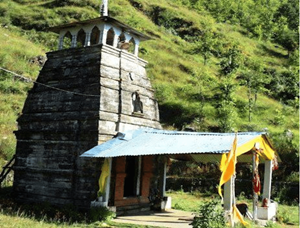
(66, 216)
(43, 211)
(273, 53)
(175, 114)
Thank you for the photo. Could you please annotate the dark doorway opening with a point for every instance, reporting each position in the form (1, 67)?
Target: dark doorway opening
(132, 177)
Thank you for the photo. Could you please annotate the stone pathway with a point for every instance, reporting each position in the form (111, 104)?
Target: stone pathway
(170, 218)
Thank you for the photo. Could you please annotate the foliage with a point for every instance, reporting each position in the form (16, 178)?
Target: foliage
(210, 214)
(200, 50)
(286, 144)
(225, 103)
(285, 215)
(285, 85)
(101, 214)
(230, 61)
(262, 19)
(66, 214)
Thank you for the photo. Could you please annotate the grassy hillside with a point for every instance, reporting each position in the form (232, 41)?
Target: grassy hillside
(210, 72)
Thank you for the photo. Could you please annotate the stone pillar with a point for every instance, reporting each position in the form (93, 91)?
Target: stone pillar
(138, 186)
(228, 194)
(136, 47)
(116, 37)
(61, 42)
(267, 180)
(103, 35)
(164, 179)
(87, 39)
(74, 41)
(255, 196)
(229, 199)
(116, 40)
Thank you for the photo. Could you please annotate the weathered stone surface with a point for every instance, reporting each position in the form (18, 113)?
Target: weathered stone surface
(109, 72)
(106, 127)
(109, 83)
(111, 60)
(91, 102)
(109, 116)
(57, 116)
(138, 120)
(109, 100)
(103, 137)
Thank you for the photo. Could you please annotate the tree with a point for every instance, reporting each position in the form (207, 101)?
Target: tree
(253, 76)
(231, 60)
(290, 10)
(208, 42)
(225, 103)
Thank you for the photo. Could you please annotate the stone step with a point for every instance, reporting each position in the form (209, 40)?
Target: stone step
(133, 209)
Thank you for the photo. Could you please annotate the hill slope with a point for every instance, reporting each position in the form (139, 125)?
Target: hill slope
(215, 65)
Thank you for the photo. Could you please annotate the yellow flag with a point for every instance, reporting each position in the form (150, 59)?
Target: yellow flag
(238, 217)
(229, 167)
(103, 176)
(223, 162)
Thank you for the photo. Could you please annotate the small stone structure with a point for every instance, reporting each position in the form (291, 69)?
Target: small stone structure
(86, 93)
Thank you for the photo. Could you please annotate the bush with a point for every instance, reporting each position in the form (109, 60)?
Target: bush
(210, 215)
(101, 214)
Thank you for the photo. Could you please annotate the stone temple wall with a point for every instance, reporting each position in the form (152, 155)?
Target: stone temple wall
(100, 90)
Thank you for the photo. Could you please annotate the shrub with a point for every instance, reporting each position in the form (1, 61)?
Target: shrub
(210, 215)
(101, 214)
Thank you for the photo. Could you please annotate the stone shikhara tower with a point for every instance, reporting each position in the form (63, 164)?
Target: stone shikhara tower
(92, 87)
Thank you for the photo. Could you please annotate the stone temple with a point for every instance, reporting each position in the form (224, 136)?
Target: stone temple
(92, 87)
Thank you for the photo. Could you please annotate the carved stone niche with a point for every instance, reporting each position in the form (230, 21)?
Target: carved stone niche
(137, 104)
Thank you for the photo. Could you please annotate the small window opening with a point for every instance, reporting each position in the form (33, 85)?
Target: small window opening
(67, 41)
(81, 38)
(95, 35)
(131, 46)
(137, 103)
(122, 44)
(110, 37)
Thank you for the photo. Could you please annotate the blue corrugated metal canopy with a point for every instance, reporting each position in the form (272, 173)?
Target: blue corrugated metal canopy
(201, 147)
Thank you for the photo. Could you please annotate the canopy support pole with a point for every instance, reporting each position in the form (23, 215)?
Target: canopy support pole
(229, 198)
(164, 179)
(255, 197)
(267, 180)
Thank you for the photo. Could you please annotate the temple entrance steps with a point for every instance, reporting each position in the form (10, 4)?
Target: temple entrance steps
(133, 209)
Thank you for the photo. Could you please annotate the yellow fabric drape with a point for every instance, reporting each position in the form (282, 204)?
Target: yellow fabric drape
(238, 217)
(223, 162)
(229, 167)
(227, 164)
(103, 176)
(267, 151)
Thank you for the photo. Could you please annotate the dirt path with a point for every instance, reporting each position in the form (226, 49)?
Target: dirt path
(171, 218)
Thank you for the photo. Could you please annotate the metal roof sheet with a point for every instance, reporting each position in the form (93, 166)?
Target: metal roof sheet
(161, 142)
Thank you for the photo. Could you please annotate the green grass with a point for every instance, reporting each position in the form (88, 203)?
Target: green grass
(14, 215)
(288, 216)
(176, 72)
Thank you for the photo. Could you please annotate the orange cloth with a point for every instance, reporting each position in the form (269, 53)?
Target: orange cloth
(238, 217)
(229, 167)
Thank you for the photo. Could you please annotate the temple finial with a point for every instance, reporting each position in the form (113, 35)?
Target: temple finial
(104, 8)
